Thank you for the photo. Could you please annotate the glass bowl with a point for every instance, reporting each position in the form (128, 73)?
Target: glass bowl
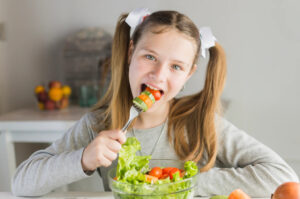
(183, 189)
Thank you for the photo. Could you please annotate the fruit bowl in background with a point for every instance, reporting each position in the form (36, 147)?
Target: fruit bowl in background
(56, 97)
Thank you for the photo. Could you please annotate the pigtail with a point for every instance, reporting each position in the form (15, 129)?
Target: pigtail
(118, 97)
(210, 102)
(121, 93)
(197, 117)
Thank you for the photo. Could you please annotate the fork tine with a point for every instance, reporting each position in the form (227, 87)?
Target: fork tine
(134, 112)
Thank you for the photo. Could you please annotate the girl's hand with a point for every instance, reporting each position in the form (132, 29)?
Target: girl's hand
(102, 150)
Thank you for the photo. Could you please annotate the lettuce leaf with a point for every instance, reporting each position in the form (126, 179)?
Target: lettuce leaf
(130, 166)
(190, 168)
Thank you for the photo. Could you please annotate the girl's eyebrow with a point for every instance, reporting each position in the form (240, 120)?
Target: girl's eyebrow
(152, 51)
(149, 50)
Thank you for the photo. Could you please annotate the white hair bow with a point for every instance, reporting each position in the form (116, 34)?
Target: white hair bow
(136, 17)
(207, 39)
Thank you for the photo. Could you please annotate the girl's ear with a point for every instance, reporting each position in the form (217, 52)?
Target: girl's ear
(130, 51)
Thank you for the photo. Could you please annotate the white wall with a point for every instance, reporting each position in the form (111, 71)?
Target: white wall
(261, 39)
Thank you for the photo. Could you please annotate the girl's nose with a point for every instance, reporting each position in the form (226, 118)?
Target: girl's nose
(159, 73)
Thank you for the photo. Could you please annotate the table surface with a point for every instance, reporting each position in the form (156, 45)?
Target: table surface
(74, 195)
(33, 119)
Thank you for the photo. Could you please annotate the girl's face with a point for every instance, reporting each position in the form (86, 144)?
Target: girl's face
(162, 61)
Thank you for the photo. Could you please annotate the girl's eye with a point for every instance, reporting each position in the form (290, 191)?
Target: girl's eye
(176, 67)
(150, 57)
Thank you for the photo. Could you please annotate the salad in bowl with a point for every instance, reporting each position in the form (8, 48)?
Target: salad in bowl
(142, 177)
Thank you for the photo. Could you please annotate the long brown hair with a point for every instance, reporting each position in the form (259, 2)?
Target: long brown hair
(191, 123)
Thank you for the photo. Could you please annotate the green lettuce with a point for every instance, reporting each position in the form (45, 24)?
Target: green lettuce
(190, 168)
(130, 166)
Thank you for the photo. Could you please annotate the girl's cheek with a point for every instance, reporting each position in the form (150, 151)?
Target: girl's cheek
(177, 85)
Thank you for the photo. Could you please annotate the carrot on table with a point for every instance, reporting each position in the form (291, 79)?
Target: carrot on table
(238, 194)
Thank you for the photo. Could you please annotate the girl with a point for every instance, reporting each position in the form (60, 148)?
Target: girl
(161, 54)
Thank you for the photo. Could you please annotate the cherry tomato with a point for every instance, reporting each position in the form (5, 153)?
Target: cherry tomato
(167, 170)
(155, 93)
(164, 176)
(156, 171)
(173, 171)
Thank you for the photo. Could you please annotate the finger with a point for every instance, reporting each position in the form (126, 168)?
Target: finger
(103, 161)
(114, 146)
(110, 155)
(118, 135)
(122, 137)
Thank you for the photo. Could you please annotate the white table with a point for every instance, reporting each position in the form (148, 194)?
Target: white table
(67, 195)
(76, 195)
(31, 125)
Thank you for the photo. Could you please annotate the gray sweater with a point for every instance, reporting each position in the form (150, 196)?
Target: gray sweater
(242, 162)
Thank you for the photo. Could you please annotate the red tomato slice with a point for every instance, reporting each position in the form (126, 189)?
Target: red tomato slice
(167, 170)
(164, 176)
(155, 93)
(173, 171)
(156, 171)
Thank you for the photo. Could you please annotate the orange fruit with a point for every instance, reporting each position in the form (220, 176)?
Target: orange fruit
(39, 89)
(238, 194)
(55, 94)
(290, 190)
(66, 91)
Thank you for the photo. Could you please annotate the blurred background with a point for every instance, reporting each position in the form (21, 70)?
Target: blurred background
(260, 37)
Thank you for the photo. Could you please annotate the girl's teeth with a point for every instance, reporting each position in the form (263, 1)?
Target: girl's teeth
(151, 87)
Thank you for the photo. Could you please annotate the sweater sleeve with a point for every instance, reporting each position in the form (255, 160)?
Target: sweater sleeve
(245, 163)
(55, 166)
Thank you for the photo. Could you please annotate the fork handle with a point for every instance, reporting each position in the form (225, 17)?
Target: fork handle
(126, 125)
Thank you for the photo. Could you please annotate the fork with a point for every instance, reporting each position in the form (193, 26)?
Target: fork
(134, 112)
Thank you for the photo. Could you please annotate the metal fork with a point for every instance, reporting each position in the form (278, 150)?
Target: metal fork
(134, 112)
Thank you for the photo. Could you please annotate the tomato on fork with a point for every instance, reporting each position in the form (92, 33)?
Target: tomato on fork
(155, 93)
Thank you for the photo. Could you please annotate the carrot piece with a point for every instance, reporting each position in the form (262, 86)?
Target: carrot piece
(151, 179)
(146, 99)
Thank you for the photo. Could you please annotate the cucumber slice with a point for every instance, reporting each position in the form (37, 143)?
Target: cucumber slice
(219, 197)
(150, 95)
(140, 104)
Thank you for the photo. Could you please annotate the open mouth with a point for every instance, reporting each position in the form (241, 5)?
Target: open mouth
(144, 86)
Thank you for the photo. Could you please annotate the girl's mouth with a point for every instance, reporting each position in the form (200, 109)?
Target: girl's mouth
(144, 86)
